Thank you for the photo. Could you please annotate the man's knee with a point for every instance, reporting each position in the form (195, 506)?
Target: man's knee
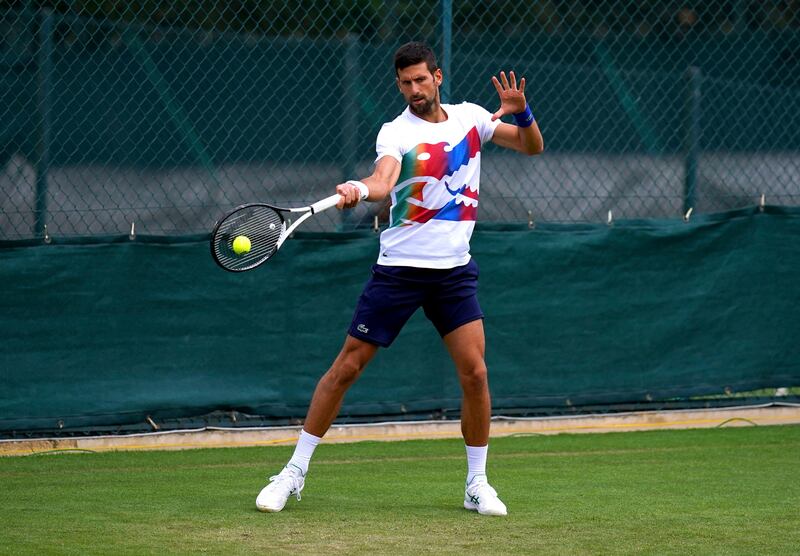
(474, 377)
(344, 372)
(350, 363)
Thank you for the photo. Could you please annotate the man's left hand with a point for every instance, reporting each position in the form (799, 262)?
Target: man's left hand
(512, 98)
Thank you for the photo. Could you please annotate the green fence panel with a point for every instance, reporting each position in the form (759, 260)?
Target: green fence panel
(577, 315)
(166, 114)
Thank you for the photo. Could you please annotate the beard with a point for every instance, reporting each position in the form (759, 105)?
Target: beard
(424, 108)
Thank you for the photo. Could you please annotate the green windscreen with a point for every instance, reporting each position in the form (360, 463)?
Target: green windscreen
(577, 315)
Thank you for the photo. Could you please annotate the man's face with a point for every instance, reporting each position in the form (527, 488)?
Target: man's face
(420, 88)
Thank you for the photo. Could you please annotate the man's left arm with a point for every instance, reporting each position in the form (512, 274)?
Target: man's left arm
(525, 137)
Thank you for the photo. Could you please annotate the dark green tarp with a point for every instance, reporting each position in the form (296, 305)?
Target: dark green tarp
(110, 333)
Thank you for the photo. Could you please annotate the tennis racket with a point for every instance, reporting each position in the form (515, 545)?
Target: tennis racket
(250, 234)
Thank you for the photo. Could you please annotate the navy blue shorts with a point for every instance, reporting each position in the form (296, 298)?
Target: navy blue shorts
(393, 293)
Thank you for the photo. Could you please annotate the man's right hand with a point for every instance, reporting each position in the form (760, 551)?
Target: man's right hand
(351, 195)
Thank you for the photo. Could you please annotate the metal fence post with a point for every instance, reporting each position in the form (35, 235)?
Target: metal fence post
(45, 85)
(447, 48)
(694, 77)
(350, 114)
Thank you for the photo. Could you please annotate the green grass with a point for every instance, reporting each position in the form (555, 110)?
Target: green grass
(712, 491)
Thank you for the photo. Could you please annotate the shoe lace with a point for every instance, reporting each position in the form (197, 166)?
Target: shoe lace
(286, 479)
(480, 488)
(485, 490)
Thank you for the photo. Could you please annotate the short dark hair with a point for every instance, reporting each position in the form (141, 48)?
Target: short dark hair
(413, 53)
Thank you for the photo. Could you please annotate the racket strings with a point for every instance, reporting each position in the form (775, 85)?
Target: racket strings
(262, 225)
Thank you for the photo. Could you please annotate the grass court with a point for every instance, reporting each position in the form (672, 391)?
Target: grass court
(706, 491)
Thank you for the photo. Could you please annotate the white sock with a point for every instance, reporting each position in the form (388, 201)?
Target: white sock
(476, 461)
(304, 450)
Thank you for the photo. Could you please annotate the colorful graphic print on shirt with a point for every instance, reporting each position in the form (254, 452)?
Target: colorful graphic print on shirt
(435, 163)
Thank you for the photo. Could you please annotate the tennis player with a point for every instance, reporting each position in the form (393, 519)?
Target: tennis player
(428, 160)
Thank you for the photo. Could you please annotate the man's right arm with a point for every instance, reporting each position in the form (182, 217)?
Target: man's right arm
(379, 183)
(383, 179)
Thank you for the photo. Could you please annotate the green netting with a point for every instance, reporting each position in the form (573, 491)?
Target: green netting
(163, 115)
(577, 315)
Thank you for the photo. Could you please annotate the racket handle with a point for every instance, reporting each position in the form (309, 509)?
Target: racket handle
(331, 201)
(325, 203)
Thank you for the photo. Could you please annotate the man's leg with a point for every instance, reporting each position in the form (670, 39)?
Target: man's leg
(333, 385)
(467, 346)
(324, 408)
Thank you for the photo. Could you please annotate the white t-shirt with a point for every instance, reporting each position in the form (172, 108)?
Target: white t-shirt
(435, 200)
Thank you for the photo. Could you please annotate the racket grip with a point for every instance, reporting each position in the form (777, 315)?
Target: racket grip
(325, 203)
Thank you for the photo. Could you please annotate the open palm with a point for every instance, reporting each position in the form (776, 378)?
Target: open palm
(512, 98)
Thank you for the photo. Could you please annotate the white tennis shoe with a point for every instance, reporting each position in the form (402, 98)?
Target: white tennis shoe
(273, 497)
(479, 496)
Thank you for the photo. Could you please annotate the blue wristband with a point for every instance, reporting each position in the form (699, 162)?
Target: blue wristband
(525, 118)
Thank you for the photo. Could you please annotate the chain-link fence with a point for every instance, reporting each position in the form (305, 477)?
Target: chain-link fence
(163, 115)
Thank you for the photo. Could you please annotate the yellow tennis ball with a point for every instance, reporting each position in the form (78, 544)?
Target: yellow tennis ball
(241, 245)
